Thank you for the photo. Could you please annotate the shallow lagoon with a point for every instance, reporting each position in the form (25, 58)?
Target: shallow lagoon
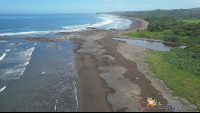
(158, 46)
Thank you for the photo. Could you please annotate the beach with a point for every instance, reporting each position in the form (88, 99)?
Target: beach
(78, 67)
(110, 78)
(37, 68)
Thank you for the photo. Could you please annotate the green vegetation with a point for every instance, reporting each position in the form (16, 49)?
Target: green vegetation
(191, 21)
(138, 54)
(183, 59)
(178, 14)
(145, 34)
(195, 49)
(134, 34)
(184, 84)
(160, 23)
(175, 31)
(179, 25)
(170, 30)
(179, 68)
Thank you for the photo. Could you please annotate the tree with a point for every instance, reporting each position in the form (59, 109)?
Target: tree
(168, 32)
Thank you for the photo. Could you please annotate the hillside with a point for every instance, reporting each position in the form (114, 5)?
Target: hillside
(179, 14)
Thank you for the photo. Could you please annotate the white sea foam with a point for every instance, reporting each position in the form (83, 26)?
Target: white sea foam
(55, 107)
(115, 26)
(84, 27)
(18, 70)
(106, 19)
(33, 32)
(7, 50)
(1, 58)
(3, 41)
(105, 22)
(25, 64)
(75, 28)
(2, 88)
(42, 72)
(70, 27)
(11, 44)
(25, 33)
(75, 90)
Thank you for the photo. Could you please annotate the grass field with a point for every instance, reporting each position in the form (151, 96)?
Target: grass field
(183, 84)
(191, 21)
(145, 34)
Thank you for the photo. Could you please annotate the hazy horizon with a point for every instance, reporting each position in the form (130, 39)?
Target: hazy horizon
(90, 6)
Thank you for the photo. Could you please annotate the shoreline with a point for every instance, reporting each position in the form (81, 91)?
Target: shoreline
(109, 81)
(130, 29)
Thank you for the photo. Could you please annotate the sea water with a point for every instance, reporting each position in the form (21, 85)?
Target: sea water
(36, 76)
(43, 24)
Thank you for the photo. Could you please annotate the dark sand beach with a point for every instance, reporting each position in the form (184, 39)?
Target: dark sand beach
(107, 81)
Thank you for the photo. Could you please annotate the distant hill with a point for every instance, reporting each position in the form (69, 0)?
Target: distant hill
(180, 14)
(198, 9)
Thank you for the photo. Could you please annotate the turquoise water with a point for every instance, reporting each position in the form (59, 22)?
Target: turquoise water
(42, 24)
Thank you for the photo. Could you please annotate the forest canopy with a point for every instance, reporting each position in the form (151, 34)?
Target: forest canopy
(179, 14)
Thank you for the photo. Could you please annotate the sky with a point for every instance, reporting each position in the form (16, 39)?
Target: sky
(90, 6)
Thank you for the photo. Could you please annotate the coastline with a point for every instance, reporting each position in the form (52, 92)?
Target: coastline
(110, 81)
(133, 28)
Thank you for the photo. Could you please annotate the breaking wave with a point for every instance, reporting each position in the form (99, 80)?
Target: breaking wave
(107, 22)
(16, 71)
(1, 58)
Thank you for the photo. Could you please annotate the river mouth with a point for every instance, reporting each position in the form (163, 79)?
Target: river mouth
(157, 46)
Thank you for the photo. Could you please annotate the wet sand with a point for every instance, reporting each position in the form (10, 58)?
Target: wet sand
(107, 81)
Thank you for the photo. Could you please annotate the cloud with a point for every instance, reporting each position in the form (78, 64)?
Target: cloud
(107, 0)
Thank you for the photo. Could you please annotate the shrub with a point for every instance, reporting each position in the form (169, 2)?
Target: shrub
(183, 59)
(172, 38)
(195, 49)
(168, 32)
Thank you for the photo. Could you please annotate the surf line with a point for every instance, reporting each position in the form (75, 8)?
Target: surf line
(1, 58)
(2, 88)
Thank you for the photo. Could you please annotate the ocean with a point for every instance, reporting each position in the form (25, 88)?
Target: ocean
(37, 76)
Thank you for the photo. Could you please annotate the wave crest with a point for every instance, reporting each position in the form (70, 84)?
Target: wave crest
(16, 71)
(108, 21)
(1, 58)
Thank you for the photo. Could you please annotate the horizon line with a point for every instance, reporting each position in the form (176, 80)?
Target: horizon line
(103, 12)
